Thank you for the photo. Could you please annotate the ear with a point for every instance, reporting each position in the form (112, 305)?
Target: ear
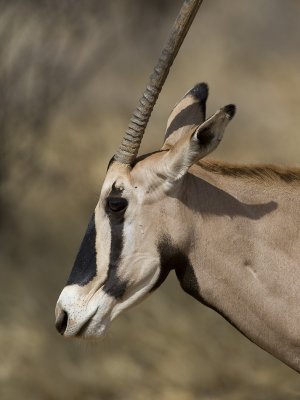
(195, 144)
(189, 112)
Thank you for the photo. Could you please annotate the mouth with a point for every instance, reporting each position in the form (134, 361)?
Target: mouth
(94, 327)
(85, 327)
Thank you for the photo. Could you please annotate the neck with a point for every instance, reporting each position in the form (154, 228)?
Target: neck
(241, 255)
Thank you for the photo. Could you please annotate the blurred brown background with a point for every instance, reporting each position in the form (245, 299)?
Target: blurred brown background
(70, 74)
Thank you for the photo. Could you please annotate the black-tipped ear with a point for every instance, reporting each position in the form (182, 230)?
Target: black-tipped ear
(189, 111)
(230, 110)
(210, 133)
(200, 92)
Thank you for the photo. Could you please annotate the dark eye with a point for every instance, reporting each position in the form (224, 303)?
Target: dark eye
(116, 204)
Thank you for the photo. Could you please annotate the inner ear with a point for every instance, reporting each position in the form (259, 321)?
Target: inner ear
(190, 111)
(195, 144)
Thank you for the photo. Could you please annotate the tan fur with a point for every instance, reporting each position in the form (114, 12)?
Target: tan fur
(238, 227)
(242, 237)
(263, 172)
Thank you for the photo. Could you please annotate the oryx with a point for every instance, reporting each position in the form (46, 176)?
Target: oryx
(230, 232)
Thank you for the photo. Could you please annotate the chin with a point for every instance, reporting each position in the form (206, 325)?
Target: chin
(98, 326)
(91, 318)
(94, 329)
(93, 334)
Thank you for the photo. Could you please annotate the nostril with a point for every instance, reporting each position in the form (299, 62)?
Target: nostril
(62, 322)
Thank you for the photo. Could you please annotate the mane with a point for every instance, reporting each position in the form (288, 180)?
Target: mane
(260, 172)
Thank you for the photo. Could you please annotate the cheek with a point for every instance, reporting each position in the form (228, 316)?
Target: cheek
(139, 270)
(140, 258)
(137, 291)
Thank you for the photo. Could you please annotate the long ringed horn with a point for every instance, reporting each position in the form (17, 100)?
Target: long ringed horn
(132, 138)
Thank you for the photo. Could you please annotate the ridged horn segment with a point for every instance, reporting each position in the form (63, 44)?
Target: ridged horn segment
(132, 138)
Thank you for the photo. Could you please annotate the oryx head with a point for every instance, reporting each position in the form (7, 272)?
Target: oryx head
(119, 261)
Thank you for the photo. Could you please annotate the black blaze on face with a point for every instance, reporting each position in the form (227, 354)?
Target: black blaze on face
(115, 209)
(85, 269)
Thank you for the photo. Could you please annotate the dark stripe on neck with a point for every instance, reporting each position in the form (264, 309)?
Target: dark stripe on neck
(167, 260)
(84, 269)
(171, 257)
(113, 285)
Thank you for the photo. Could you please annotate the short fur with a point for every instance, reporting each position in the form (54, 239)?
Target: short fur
(259, 172)
(231, 232)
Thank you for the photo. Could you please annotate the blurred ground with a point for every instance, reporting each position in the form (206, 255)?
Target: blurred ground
(70, 75)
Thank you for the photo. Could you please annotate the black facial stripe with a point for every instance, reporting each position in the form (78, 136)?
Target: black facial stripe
(84, 269)
(113, 285)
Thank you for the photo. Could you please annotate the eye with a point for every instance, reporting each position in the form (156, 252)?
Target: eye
(116, 204)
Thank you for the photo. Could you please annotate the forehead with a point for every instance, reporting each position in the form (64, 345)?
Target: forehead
(121, 177)
(117, 178)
